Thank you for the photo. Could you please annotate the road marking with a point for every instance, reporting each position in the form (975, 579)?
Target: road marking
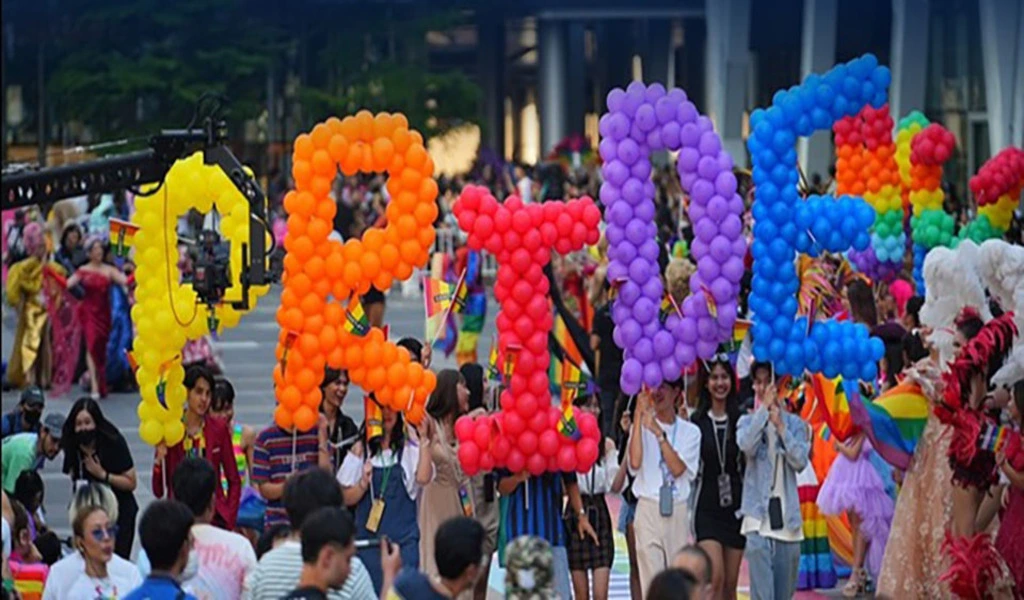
(237, 345)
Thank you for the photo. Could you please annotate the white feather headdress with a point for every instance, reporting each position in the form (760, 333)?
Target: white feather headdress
(1001, 267)
(951, 283)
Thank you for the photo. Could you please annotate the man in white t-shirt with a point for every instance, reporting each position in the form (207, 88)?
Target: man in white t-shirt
(524, 185)
(664, 457)
(225, 558)
(776, 446)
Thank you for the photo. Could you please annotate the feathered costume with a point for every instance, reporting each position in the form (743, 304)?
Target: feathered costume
(975, 566)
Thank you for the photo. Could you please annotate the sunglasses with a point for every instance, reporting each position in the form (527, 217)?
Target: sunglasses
(99, 534)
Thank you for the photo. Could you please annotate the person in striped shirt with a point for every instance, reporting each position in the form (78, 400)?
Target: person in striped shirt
(279, 570)
(277, 454)
(534, 507)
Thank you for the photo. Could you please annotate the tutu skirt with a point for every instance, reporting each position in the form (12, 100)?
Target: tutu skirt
(855, 485)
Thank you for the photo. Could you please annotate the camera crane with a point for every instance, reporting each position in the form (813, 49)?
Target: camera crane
(22, 187)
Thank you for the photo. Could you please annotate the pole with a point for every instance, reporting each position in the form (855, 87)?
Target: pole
(41, 100)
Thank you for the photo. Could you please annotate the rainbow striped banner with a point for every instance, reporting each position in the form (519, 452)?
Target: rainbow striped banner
(893, 422)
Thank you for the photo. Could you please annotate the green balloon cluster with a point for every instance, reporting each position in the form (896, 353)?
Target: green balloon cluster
(932, 228)
(889, 224)
(979, 230)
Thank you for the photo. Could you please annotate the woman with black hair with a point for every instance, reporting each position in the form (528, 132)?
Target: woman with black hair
(95, 451)
(385, 497)
(588, 557)
(720, 480)
(342, 431)
(70, 253)
(485, 502)
(450, 493)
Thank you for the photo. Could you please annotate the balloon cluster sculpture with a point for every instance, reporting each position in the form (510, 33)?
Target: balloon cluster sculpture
(640, 120)
(786, 225)
(931, 226)
(167, 314)
(871, 169)
(524, 434)
(997, 187)
(314, 330)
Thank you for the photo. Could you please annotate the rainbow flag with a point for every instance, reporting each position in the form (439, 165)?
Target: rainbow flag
(511, 357)
(893, 422)
(493, 372)
(374, 417)
(567, 425)
(573, 382)
(832, 399)
(356, 321)
(461, 295)
(668, 307)
(994, 438)
(564, 339)
(740, 330)
(122, 236)
(161, 384)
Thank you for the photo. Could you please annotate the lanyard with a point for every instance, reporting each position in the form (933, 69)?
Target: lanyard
(665, 474)
(720, 451)
(384, 478)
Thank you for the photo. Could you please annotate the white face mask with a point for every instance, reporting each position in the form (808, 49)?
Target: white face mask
(191, 567)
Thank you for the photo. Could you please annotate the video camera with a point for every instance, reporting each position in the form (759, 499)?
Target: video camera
(211, 261)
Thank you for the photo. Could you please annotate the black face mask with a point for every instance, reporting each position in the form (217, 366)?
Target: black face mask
(85, 437)
(32, 417)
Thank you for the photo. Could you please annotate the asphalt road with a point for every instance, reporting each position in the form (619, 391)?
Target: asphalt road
(247, 353)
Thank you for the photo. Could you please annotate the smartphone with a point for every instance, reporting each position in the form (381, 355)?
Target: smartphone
(775, 513)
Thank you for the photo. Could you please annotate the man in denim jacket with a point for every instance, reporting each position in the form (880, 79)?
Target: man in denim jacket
(776, 445)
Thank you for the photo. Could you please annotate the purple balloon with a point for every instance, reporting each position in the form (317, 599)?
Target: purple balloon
(706, 349)
(687, 112)
(721, 249)
(643, 351)
(687, 160)
(645, 311)
(705, 230)
(641, 170)
(663, 344)
(640, 269)
(722, 290)
(725, 184)
(670, 134)
(650, 250)
(618, 127)
(616, 271)
(652, 375)
(733, 269)
(624, 253)
(614, 100)
(644, 211)
(636, 232)
(654, 141)
(629, 152)
(670, 369)
(697, 211)
(629, 292)
(645, 118)
(685, 354)
(616, 173)
(631, 333)
(632, 376)
(652, 288)
(707, 168)
(609, 193)
(665, 110)
(709, 269)
(689, 136)
(701, 191)
(620, 312)
(709, 144)
(607, 149)
(654, 92)
(731, 226)
(633, 191)
(707, 329)
(718, 208)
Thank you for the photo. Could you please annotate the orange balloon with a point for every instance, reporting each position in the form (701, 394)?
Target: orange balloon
(321, 136)
(352, 274)
(312, 399)
(336, 359)
(305, 418)
(289, 299)
(303, 147)
(322, 164)
(302, 172)
(306, 380)
(293, 319)
(415, 414)
(314, 324)
(283, 418)
(383, 281)
(321, 186)
(364, 125)
(383, 152)
(372, 354)
(309, 345)
(311, 304)
(319, 229)
(302, 247)
(397, 374)
(291, 398)
(328, 339)
(322, 288)
(428, 191)
(338, 148)
(353, 356)
(315, 268)
(333, 314)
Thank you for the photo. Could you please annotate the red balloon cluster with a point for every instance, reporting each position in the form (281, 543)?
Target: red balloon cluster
(524, 435)
(1001, 174)
(847, 132)
(933, 145)
(876, 127)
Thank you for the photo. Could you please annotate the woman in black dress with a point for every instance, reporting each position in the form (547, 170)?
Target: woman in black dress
(95, 451)
(720, 481)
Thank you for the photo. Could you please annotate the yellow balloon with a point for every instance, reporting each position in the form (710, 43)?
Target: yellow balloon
(174, 431)
(151, 432)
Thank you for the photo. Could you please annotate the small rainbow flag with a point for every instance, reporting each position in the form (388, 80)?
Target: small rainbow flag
(511, 357)
(161, 385)
(668, 307)
(130, 357)
(831, 396)
(374, 417)
(893, 422)
(122, 236)
(565, 340)
(994, 438)
(710, 299)
(356, 321)
(493, 372)
(574, 381)
(289, 341)
(567, 425)
(461, 296)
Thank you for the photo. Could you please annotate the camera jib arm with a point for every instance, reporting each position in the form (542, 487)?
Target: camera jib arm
(27, 186)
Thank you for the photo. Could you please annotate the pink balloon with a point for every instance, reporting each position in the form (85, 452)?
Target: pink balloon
(536, 465)
(527, 443)
(567, 459)
(482, 433)
(501, 448)
(516, 461)
(464, 429)
(586, 454)
(469, 457)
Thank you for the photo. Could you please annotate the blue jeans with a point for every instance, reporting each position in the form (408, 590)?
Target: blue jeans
(563, 583)
(774, 566)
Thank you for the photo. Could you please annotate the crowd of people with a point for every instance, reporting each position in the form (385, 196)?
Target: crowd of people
(722, 465)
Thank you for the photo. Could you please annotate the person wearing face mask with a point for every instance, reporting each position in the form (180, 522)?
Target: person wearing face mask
(93, 570)
(27, 451)
(94, 450)
(26, 415)
(224, 558)
(342, 431)
(165, 531)
(328, 546)
(207, 437)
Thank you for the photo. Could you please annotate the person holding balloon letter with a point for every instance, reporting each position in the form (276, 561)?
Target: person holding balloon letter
(664, 455)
